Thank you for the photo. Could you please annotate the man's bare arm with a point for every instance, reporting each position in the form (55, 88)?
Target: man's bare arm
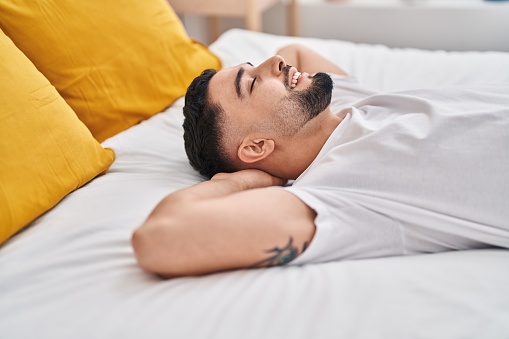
(307, 60)
(232, 221)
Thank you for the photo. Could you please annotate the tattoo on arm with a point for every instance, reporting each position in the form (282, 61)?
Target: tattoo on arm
(281, 256)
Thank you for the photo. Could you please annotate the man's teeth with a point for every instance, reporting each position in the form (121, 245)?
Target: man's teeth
(294, 79)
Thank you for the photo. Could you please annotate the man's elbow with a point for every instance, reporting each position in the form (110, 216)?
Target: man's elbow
(151, 252)
(143, 249)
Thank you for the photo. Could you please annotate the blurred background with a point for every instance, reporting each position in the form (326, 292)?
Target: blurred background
(452, 25)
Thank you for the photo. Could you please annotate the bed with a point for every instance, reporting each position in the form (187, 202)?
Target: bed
(72, 274)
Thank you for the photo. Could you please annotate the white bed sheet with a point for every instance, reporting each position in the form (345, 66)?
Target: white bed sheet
(72, 273)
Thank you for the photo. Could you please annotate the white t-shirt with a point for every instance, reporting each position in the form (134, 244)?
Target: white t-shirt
(410, 172)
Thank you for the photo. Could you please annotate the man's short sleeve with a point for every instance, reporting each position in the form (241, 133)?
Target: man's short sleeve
(345, 230)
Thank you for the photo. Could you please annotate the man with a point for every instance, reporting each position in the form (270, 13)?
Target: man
(375, 174)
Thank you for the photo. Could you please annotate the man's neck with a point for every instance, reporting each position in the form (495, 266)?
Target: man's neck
(297, 153)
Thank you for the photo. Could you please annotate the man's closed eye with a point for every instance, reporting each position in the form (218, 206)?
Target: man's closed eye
(252, 85)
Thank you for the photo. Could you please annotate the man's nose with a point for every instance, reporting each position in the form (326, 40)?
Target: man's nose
(273, 65)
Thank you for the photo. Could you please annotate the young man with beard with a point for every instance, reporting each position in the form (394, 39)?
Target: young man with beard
(376, 174)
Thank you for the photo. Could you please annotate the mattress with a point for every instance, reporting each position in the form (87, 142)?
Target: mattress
(72, 272)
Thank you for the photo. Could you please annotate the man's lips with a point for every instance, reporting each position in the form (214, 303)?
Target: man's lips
(294, 77)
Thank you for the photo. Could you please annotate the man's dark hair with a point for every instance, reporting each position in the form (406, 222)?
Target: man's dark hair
(202, 129)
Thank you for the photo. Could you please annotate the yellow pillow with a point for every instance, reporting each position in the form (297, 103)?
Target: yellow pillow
(114, 62)
(45, 150)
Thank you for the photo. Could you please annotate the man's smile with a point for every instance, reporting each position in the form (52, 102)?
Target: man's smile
(292, 76)
(295, 79)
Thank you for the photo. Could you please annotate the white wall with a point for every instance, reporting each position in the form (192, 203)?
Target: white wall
(430, 24)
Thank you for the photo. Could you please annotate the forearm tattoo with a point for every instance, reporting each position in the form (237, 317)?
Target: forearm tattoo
(280, 256)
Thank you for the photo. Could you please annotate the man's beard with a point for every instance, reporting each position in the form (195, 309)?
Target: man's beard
(299, 107)
(317, 97)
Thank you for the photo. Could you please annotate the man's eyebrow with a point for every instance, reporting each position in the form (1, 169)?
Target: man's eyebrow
(237, 82)
(238, 78)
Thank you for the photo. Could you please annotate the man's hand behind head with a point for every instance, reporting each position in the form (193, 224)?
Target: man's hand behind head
(251, 178)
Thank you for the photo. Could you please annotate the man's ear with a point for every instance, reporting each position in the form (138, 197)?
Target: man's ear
(253, 150)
